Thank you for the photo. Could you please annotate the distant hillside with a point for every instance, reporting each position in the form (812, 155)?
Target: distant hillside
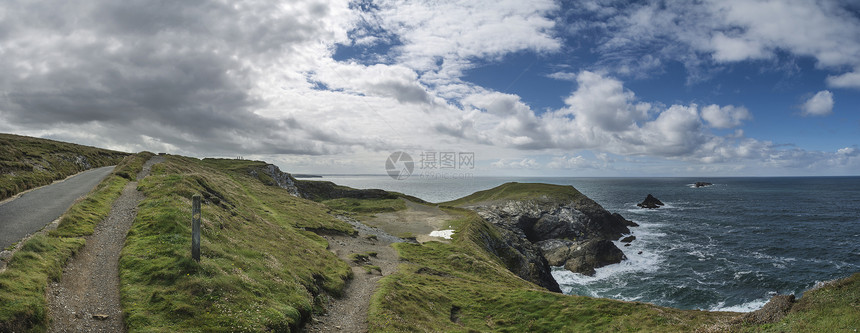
(27, 162)
(520, 191)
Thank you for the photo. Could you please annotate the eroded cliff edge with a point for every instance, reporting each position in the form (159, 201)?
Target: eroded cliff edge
(548, 225)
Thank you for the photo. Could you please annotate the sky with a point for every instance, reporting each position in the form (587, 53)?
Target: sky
(529, 88)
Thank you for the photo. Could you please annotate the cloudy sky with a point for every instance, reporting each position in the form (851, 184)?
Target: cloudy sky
(571, 88)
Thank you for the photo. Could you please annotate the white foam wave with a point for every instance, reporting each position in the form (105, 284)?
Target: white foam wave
(745, 307)
(446, 234)
(636, 262)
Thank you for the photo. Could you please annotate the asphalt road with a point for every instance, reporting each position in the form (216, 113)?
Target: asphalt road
(35, 209)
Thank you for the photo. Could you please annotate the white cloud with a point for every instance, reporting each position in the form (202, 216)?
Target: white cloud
(848, 151)
(574, 162)
(821, 104)
(727, 31)
(602, 102)
(525, 163)
(846, 80)
(725, 117)
(452, 33)
(726, 49)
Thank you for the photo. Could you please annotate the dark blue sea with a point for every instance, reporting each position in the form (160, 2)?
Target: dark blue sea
(730, 246)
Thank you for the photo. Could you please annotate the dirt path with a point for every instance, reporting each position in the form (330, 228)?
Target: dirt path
(87, 297)
(417, 219)
(349, 313)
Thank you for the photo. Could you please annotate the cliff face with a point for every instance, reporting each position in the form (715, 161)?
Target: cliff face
(271, 175)
(519, 255)
(567, 230)
(543, 219)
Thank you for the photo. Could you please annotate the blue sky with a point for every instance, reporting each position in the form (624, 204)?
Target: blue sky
(558, 88)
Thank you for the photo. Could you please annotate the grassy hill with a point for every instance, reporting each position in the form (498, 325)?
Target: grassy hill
(261, 268)
(27, 162)
(520, 191)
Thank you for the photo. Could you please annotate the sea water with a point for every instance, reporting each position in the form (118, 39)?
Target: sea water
(729, 246)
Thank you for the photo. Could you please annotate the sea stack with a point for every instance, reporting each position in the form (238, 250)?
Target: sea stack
(650, 202)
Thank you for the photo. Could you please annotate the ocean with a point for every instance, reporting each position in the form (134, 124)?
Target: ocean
(729, 247)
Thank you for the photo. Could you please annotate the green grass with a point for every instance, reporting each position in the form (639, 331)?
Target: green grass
(42, 257)
(461, 287)
(519, 191)
(366, 206)
(834, 308)
(261, 268)
(27, 162)
(369, 269)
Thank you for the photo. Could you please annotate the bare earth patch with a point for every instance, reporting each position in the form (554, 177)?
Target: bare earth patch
(417, 219)
(87, 297)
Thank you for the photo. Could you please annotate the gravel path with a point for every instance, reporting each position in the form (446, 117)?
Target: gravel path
(349, 312)
(87, 297)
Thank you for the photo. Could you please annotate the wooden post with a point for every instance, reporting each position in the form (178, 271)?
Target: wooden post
(195, 228)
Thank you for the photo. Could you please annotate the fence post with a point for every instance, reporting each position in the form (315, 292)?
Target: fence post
(195, 228)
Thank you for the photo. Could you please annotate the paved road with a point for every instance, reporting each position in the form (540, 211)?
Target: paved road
(35, 209)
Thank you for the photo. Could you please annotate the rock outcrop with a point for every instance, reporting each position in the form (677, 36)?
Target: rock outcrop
(543, 219)
(271, 175)
(581, 257)
(574, 232)
(650, 202)
(701, 184)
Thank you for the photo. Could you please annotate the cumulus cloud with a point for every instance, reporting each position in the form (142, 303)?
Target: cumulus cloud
(846, 80)
(443, 37)
(602, 102)
(725, 117)
(820, 104)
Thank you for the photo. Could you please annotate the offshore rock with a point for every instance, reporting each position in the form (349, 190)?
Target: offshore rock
(650, 202)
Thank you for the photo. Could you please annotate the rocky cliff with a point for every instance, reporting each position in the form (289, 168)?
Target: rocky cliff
(271, 175)
(550, 225)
